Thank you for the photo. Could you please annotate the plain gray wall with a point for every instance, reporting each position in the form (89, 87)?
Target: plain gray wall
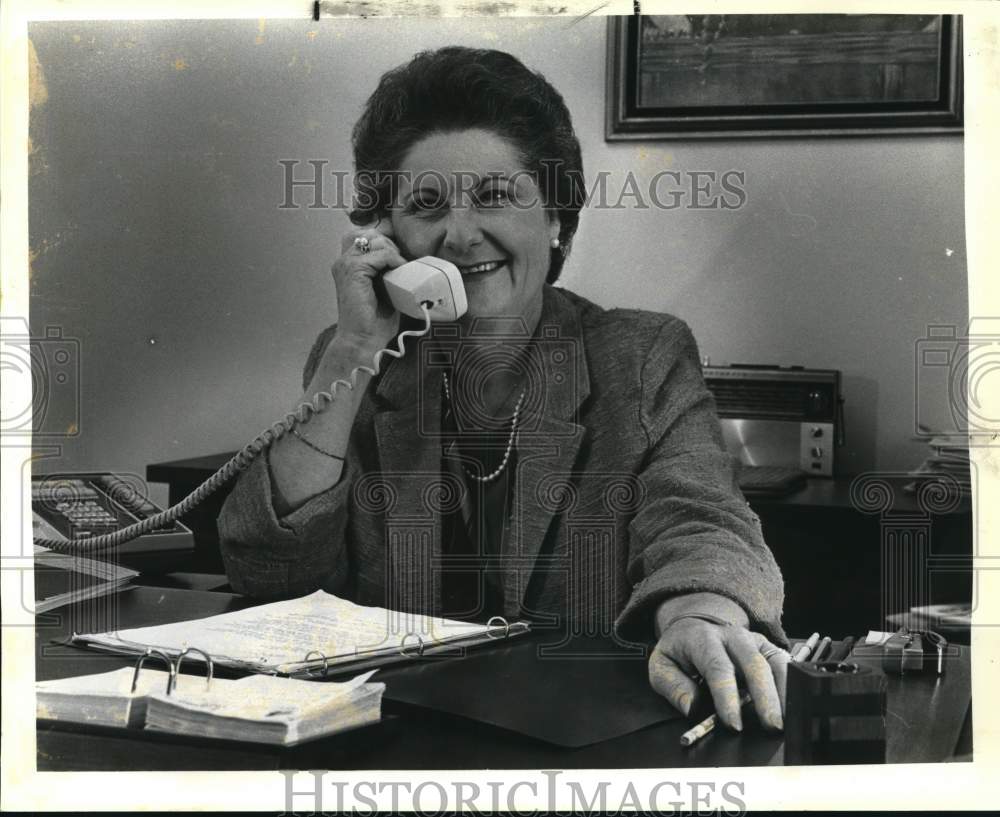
(158, 240)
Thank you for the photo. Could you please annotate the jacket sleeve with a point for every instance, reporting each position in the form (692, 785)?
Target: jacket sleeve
(695, 532)
(271, 557)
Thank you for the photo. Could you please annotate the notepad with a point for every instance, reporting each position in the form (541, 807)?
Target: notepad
(256, 709)
(318, 634)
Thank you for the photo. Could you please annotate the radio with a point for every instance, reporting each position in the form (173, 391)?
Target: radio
(772, 416)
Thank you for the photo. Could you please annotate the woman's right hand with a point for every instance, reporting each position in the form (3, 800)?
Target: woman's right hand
(363, 318)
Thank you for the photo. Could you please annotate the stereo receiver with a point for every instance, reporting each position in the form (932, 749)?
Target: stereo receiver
(775, 416)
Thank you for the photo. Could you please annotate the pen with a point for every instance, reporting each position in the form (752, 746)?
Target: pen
(818, 654)
(806, 649)
(843, 652)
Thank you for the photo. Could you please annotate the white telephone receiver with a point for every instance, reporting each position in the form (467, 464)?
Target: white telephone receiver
(427, 281)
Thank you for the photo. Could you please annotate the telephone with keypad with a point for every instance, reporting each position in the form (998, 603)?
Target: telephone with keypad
(67, 507)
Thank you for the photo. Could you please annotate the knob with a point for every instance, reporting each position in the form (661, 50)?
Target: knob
(817, 431)
(817, 452)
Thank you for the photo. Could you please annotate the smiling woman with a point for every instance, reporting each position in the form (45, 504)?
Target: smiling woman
(540, 458)
(496, 229)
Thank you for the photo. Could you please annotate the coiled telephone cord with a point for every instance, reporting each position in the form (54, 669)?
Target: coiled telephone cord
(240, 461)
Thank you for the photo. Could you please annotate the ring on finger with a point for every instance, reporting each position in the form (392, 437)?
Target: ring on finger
(770, 652)
(362, 244)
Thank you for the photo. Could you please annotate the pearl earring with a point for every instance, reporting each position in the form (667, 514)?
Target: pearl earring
(554, 243)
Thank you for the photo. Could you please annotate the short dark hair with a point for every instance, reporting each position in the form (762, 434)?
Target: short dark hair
(457, 88)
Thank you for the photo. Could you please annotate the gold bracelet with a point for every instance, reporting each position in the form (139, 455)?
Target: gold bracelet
(315, 447)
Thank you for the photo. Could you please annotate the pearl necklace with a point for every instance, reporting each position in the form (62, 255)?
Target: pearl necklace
(510, 440)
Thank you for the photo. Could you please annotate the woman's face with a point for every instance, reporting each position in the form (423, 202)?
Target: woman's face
(464, 196)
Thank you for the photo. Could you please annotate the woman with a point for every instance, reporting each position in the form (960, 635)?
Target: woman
(540, 458)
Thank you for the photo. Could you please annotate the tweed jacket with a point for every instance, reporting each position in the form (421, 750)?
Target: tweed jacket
(623, 495)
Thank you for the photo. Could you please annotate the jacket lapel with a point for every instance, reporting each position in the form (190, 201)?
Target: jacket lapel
(407, 434)
(548, 442)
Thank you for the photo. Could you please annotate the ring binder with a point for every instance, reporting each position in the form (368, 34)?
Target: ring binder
(506, 626)
(333, 630)
(326, 661)
(172, 681)
(150, 653)
(420, 648)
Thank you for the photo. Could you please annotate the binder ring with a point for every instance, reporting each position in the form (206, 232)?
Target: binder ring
(420, 646)
(502, 620)
(326, 661)
(151, 653)
(180, 660)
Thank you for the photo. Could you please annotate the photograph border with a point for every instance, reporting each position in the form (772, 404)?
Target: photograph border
(875, 787)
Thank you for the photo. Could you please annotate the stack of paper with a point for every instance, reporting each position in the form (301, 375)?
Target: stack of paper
(106, 699)
(268, 709)
(947, 463)
(312, 635)
(61, 579)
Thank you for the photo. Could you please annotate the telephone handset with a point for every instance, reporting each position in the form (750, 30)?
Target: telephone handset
(427, 280)
(429, 288)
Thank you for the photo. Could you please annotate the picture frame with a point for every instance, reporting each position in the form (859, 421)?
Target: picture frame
(734, 76)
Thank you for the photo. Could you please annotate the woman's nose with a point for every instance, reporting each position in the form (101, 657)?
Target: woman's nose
(462, 231)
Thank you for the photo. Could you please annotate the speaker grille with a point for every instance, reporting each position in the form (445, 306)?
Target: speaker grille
(759, 400)
(773, 400)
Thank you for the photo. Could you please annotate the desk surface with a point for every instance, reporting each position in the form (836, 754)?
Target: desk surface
(818, 492)
(416, 738)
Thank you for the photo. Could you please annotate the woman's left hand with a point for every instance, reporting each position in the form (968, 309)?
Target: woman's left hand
(722, 655)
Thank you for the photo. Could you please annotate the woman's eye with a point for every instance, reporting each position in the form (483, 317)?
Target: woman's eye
(494, 197)
(428, 205)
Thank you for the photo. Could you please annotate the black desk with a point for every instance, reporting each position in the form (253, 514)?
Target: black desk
(422, 739)
(851, 558)
(833, 553)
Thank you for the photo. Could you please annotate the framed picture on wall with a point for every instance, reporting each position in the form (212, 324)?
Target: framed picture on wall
(737, 75)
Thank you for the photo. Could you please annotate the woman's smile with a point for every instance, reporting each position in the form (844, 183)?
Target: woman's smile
(482, 268)
(474, 275)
